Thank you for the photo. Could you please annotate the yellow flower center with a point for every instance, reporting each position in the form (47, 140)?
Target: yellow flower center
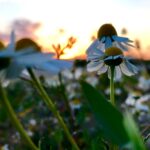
(113, 51)
(106, 30)
(26, 43)
(113, 61)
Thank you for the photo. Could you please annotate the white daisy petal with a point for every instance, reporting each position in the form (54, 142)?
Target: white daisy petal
(14, 70)
(93, 47)
(131, 67)
(124, 68)
(95, 56)
(108, 42)
(120, 39)
(102, 69)
(117, 72)
(103, 39)
(60, 64)
(108, 58)
(121, 46)
(118, 56)
(127, 43)
(49, 67)
(94, 66)
(101, 46)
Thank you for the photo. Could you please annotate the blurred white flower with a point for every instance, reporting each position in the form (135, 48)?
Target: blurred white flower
(144, 84)
(17, 61)
(78, 73)
(140, 103)
(75, 104)
(67, 74)
(107, 37)
(101, 62)
(92, 80)
(5, 147)
(143, 103)
(54, 66)
(130, 100)
(30, 133)
(32, 122)
(117, 91)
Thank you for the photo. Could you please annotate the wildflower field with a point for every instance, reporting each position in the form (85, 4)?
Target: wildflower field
(101, 103)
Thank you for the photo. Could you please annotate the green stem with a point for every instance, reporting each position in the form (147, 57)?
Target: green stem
(112, 98)
(112, 93)
(52, 107)
(15, 120)
(113, 147)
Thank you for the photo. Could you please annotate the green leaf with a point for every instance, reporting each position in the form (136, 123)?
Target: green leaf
(136, 141)
(108, 118)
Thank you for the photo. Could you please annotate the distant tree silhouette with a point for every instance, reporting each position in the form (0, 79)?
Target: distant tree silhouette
(26, 42)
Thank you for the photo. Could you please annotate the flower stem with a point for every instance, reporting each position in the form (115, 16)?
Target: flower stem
(112, 94)
(52, 107)
(112, 98)
(15, 120)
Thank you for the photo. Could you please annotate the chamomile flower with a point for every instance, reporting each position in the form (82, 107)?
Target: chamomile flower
(14, 62)
(101, 62)
(107, 37)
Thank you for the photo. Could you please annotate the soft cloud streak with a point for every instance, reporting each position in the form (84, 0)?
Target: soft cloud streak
(23, 28)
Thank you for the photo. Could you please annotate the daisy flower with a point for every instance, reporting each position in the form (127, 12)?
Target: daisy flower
(14, 62)
(107, 37)
(101, 62)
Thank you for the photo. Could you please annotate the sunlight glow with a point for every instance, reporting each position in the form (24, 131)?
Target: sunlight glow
(80, 19)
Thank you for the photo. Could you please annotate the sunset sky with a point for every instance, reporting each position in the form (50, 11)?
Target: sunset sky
(54, 21)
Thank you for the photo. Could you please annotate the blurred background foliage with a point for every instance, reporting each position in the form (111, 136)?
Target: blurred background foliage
(43, 127)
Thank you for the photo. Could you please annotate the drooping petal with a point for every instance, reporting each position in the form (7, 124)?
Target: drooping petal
(102, 69)
(118, 56)
(103, 39)
(95, 55)
(120, 45)
(127, 43)
(60, 64)
(101, 46)
(124, 68)
(32, 59)
(49, 68)
(6, 53)
(131, 67)
(108, 42)
(94, 66)
(117, 72)
(14, 70)
(93, 47)
(120, 39)
(108, 58)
